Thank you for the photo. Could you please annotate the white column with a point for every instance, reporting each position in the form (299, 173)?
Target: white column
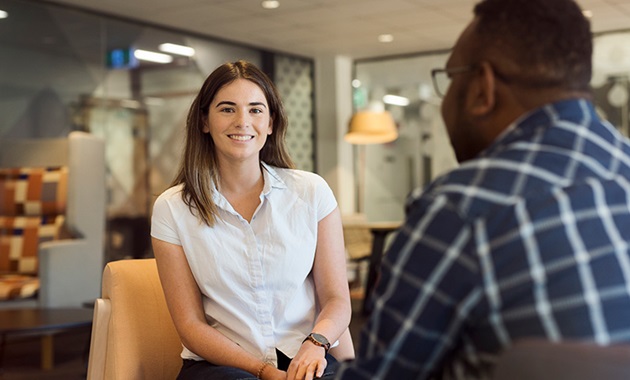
(333, 76)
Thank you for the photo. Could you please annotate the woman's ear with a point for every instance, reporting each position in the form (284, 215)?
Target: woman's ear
(270, 129)
(206, 126)
(482, 92)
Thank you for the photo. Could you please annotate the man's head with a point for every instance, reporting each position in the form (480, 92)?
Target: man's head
(521, 54)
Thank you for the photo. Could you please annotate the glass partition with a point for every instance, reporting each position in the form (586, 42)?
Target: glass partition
(65, 69)
(423, 151)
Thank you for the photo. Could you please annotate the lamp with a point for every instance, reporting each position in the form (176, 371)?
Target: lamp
(371, 127)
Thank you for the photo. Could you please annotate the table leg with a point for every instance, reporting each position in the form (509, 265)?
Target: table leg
(48, 354)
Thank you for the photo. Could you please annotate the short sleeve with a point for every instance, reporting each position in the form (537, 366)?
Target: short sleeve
(163, 226)
(326, 201)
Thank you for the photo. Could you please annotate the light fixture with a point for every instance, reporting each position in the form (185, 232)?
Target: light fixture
(587, 13)
(270, 4)
(396, 100)
(152, 56)
(3, 14)
(371, 127)
(385, 38)
(186, 51)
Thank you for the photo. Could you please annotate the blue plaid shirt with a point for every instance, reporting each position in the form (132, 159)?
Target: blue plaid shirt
(530, 239)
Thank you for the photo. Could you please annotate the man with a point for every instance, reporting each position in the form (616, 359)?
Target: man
(530, 236)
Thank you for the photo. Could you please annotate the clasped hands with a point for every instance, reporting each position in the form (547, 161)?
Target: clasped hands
(308, 364)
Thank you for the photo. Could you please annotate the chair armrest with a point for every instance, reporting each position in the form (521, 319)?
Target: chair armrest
(70, 272)
(98, 341)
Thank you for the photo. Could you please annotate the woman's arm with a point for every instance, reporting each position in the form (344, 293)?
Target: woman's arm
(333, 296)
(345, 349)
(185, 305)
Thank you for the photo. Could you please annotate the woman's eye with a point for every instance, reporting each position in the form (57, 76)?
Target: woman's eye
(226, 109)
(256, 110)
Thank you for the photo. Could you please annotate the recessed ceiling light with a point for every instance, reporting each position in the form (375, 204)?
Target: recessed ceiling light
(270, 4)
(186, 51)
(385, 38)
(3, 14)
(152, 56)
(587, 13)
(396, 100)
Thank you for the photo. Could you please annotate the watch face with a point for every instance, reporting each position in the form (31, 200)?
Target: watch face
(320, 339)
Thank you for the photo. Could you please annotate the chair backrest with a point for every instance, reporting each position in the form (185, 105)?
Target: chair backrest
(133, 336)
(543, 360)
(53, 199)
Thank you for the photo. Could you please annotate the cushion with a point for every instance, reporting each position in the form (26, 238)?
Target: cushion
(32, 208)
(15, 286)
(20, 238)
(33, 191)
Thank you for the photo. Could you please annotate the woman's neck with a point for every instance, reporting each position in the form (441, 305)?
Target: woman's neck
(240, 178)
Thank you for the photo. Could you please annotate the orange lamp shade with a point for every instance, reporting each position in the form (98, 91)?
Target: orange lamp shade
(370, 127)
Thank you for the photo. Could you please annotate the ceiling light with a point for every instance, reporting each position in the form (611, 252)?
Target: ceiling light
(186, 51)
(270, 4)
(356, 83)
(385, 38)
(3, 14)
(587, 13)
(152, 56)
(396, 100)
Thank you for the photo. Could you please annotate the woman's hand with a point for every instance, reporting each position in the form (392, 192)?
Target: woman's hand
(273, 373)
(309, 363)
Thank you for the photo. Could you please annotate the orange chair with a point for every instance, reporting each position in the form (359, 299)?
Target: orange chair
(133, 336)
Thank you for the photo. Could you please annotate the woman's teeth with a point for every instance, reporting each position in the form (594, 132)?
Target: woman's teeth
(241, 138)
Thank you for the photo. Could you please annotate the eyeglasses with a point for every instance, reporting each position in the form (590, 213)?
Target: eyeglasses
(442, 77)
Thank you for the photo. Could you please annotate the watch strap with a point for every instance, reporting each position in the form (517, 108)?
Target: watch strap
(318, 340)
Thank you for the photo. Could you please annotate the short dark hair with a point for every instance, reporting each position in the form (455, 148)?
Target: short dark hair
(551, 40)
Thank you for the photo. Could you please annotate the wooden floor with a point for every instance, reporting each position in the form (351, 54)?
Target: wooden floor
(22, 355)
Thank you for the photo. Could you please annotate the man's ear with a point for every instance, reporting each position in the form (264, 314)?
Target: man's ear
(482, 92)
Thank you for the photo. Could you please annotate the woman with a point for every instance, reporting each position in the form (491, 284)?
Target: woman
(249, 250)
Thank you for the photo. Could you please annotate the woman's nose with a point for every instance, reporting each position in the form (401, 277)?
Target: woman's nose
(242, 119)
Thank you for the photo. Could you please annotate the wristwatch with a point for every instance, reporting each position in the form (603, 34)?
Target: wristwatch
(318, 340)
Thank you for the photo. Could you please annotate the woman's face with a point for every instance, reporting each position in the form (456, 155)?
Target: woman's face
(239, 121)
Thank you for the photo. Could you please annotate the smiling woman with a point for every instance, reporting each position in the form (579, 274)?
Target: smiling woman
(239, 122)
(245, 244)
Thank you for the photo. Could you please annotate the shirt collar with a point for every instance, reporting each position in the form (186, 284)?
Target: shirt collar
(540, 117)
(271, 180)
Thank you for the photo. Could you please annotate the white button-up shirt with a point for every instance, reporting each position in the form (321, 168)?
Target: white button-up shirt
(255, 278)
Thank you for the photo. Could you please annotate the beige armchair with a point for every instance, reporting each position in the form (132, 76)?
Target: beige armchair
(66, 257)
(133, 336)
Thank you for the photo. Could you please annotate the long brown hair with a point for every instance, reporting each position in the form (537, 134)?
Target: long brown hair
(199, 169)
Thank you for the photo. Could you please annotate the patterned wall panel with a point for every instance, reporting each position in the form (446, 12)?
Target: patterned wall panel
(294, 79)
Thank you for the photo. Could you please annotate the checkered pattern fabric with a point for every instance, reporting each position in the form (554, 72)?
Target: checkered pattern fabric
(32, 207)
(15, 286)
(33, 191)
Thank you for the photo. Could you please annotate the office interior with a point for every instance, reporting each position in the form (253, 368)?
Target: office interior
(67, 69)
